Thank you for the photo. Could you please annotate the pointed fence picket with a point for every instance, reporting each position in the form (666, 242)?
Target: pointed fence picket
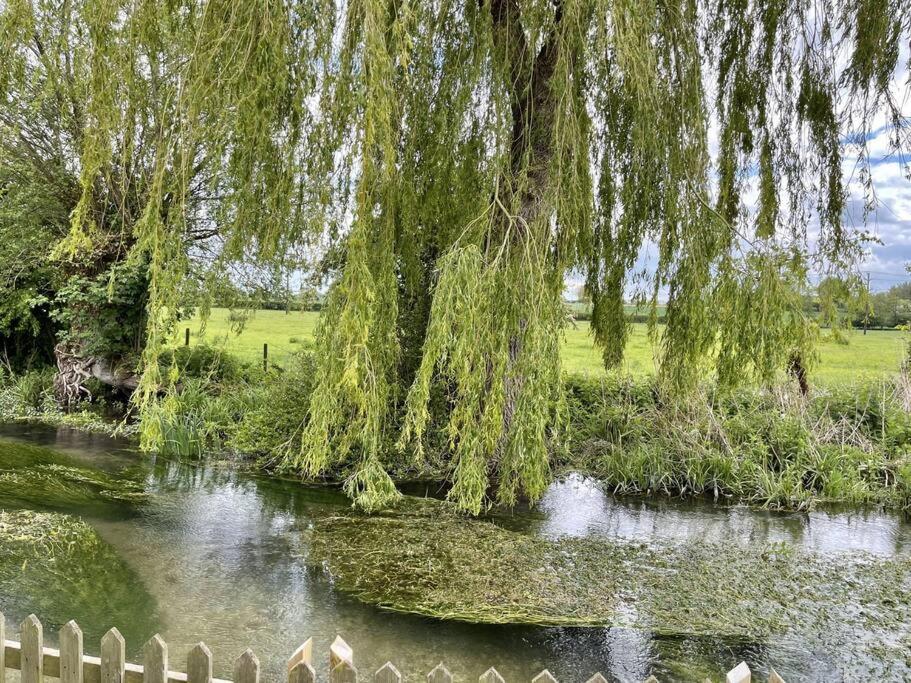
(71, 665)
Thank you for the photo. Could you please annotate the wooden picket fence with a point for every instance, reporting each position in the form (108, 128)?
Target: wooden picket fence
(71, 665)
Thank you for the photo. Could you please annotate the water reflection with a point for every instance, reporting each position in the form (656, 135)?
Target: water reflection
(579, 506)
(224, 555)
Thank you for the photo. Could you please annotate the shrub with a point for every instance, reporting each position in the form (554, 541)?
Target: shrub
(27, 394)
(278, 409)
(768, 447)
(202, 362)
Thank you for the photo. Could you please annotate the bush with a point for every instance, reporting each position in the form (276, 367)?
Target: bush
(278, 409)
(27, 394)
(202, 362)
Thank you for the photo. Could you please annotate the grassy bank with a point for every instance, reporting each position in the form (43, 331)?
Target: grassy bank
(863, 357)
(770, 447)
(775, 448)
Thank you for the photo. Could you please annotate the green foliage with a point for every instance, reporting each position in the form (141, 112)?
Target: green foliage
(33, 217)
(511, 141)
(773, 448)
(105, 315)
(202, 362)
(26, 394)
(271, 428)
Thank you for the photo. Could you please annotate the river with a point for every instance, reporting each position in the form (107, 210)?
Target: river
(221, 556)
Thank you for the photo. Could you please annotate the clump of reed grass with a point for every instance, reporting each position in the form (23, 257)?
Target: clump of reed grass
(773, 447)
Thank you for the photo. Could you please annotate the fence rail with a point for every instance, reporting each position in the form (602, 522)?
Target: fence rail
(71, 665)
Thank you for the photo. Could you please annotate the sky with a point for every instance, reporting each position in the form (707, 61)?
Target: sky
(891, 220)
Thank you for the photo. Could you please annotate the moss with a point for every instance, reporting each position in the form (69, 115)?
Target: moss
(425, 559)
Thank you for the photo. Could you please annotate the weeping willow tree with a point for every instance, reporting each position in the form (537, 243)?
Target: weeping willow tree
(460, 159)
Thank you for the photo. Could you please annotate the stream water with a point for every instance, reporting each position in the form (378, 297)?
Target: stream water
(221, 556)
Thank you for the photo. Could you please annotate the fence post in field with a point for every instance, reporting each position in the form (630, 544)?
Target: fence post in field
(186, 337)
(2, 648)
(739, 674)
(113, 657)
(440, 674)
(341, 662)
(544, 677)
(31, 638)
(300, 665)
(387, 674)
(155, 661)
(246, 668)
(491, 676)
(71, 653)
(199, 665)
(265, 357)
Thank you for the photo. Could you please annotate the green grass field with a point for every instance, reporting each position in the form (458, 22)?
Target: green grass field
(863, 357)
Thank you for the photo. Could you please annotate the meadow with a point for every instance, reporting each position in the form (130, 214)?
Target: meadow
(863, 357)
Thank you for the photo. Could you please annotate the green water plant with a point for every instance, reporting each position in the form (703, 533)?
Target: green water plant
(40, 478)
(57, 567)
(425, 558)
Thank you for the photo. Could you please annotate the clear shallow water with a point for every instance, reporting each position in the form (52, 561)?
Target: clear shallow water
(223, 556)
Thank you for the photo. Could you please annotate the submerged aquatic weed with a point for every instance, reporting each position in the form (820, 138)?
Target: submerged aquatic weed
(425, 559)
(32, 476)
(58, 567)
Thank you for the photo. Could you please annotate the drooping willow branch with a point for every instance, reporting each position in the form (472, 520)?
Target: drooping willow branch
(459, 159)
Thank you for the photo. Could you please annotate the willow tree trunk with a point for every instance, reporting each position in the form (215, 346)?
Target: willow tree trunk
(533, 107)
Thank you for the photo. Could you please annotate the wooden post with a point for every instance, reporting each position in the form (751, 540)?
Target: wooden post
(199, 665)
(155, 661)
(186, 337)
(739, 674)
(387, 674)
(265, 357)
(300, 665)
(340, 652)
(341, 662)
(344, 672)
(113, 657)
(491, 676)
(31, 662)
(440, 674)
(71, 653)
(246, 668)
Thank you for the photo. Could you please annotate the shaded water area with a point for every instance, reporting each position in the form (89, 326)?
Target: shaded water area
(208, 553)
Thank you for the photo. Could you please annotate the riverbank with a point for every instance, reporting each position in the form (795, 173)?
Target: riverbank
(773, 447)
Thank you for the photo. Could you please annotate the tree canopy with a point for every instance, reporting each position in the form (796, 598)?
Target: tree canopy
(457, 160)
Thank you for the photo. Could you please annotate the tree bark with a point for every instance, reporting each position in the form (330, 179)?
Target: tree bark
(533, 108)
